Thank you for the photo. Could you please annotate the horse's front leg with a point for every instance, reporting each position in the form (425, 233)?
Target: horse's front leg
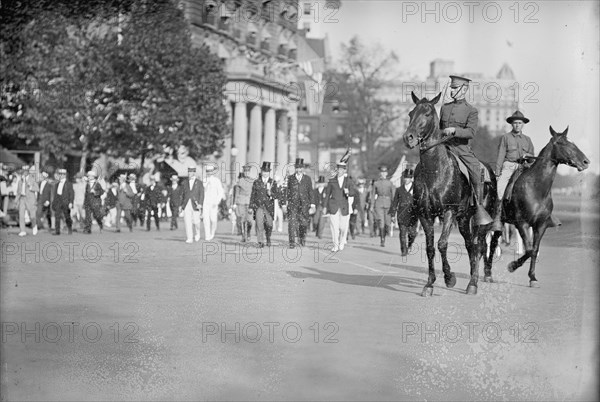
(523, 228)
(427, 224)
(449, 276)
(464, 225)
(538, 233)
(489, 258)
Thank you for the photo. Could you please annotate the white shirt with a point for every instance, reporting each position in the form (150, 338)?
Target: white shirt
(132, 185)
(341, 180)
(61, 184)
(299, 177)
(408, 187)
(42, 185)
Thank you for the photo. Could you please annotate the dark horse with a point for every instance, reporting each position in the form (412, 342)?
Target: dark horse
(441, 190)
(530, 204)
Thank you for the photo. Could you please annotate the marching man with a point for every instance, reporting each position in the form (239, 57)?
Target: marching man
(338, 202)
(262, 204)
(193, 199)
(213, 194)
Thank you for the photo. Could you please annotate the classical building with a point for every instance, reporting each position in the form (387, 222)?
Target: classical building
(258, 42)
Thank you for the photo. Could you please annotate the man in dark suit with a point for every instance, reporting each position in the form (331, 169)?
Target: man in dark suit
(44, 200)
(175, 195)
(262, 204)
(319, 201)
(402, 209)
(192, 201)
(62, 201)
(152, 198)
(338, 199)
(92, 203)
(299, 204)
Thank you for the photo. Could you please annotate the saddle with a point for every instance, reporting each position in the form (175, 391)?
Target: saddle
(511, 182)
(465, 171)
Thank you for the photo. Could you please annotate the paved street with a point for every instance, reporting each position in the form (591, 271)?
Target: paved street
(148, 317)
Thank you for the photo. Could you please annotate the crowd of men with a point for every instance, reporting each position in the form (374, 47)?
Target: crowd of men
(348, 205)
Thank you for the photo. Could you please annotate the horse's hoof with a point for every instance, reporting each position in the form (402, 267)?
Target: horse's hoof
(471, 290)
(427, 291)
(534, 284)
(451, 282)
(488, 279)
(512, 266)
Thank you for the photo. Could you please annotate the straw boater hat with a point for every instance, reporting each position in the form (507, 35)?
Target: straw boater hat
(517, 116)
(91, 173)
(344, 159)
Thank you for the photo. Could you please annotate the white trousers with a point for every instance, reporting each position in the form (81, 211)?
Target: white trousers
(508, 168)
(191, 219)
(338, 224)
(210, 214)
(278, 218)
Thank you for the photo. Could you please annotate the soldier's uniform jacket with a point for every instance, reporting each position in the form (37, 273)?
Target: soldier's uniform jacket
(242, 191)
(384, 190)
(463, 117)
(260, 198)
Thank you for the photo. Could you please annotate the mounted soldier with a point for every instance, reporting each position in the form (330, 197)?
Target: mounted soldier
(458, 119)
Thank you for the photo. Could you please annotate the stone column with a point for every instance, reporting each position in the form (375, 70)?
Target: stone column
(240, 133)
(269, 145)
(282, 144)
(255, 151)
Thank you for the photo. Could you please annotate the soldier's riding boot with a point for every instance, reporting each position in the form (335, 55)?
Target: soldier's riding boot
(481, 217)
(497, 226)
(554, 221)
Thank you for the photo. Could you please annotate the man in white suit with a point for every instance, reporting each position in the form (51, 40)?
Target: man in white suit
(213, 194)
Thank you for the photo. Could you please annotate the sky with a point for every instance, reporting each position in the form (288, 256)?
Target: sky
(551, 46)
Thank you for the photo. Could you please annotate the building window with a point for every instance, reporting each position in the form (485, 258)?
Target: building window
(304, 133)
(307, 8)
(307, 26)
(340, 130)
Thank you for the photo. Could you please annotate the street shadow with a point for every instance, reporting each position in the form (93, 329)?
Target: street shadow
(380, 250)
(413, 286)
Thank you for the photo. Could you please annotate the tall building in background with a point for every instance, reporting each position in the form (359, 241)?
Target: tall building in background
(321, 137)
(258, 43)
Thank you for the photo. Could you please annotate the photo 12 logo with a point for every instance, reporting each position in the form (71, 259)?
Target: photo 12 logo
(470, 11)
(252, 332)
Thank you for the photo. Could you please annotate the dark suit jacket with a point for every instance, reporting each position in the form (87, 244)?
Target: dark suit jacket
(196, 194)
(259, 197)
(67, 197)
(319, 198)
(46, 193)
(111, 199)
(403, 206)
(175, 196)
(336, 197)
(125, 197)
(299, 194)
(153, 197)
(93, 198)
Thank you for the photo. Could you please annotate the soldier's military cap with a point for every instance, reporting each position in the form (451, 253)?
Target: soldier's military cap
(456, 81)
(517, 116)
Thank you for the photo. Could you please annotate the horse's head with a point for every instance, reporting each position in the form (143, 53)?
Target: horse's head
(565, 152)
(423, 121)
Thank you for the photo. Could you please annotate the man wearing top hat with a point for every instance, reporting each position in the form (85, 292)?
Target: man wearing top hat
(339, 196)
(402, 210)
(62, 202)
(383, 191)
(175, 196)
(458, 119)
(92, 203)
(153, 197)
(358, 219)
(124, 203)
(192, 202)
(299, 204)
(319, 201)
(262, 204)
(241, 201)
(137, 213)
(213, 195)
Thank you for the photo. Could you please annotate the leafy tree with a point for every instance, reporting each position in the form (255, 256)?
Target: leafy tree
(363, 71)
(113, 77)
